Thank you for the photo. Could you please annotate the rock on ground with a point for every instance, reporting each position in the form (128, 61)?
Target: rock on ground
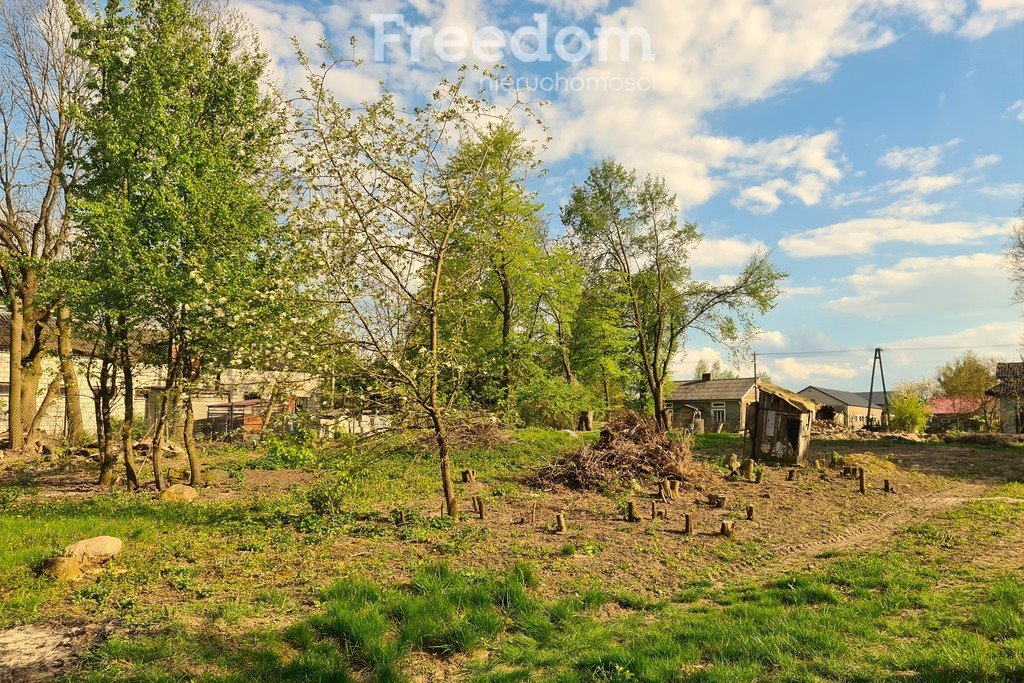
(178, 493)
(93, 551)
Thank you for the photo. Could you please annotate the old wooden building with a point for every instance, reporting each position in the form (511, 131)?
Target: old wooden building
(779, 424)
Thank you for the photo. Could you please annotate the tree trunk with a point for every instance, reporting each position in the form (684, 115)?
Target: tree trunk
(15, 423)
(75, 432)
(156, 451)
(51, 390)
(128, 426)
(108, 460)
(195, 469)
(659, 408)
(441, 437)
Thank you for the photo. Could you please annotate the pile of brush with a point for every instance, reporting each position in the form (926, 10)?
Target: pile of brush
(630, 448)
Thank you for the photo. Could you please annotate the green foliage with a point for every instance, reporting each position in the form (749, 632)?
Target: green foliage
(908, 412)
(967, 375)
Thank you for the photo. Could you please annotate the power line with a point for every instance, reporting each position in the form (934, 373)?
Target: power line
(825, 352)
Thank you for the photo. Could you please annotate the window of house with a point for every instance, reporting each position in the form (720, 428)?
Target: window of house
(718, 412)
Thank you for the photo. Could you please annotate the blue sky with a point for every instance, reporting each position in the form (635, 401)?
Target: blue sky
(877, 146)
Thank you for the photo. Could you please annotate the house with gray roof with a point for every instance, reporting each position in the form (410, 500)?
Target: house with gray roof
(720, 403)
(845, 407)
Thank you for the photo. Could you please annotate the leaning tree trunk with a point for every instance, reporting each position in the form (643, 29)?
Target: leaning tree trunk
(441, 438)
(33, 430)
(75, 433)
(194, 467)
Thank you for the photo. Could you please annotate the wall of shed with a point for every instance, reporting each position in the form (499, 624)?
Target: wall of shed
(770, 421)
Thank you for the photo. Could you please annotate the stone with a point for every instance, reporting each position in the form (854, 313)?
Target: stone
(94, 551)
(178, 493)
(63, 568)
(216, 477)
(178, 474)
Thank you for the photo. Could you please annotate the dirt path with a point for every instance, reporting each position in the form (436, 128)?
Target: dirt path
(40, 652)
(869, 535)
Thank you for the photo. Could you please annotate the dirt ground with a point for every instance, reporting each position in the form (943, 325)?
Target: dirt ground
(796, 523)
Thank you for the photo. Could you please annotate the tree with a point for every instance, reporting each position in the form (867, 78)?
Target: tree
(627, 228)
(964, 380)
(391, 227)
(503, 222)
(908, 408)
(179, 204)
(41, 80)
(716, 370)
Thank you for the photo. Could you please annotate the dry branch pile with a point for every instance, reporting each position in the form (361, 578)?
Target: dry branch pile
(629, 448)
(477, 433)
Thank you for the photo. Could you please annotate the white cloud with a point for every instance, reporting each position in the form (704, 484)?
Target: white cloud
(792, 370)
(991, 339)
(992, 15)
(803, 291)
(917, 160)
(1003, 190)
(925, 184)
(910, 207)
(987, 160)
(964, 285)
(770, 339)
(862, 235)
(724, 252)
(1017, 110)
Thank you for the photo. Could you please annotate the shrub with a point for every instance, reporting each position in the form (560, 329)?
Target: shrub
(908, 412)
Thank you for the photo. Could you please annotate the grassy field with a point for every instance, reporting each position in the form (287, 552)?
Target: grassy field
(299, 570)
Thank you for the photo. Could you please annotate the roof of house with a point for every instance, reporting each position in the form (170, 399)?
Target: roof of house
(711, 390)
(791, 397)
(877, 396)
(78, 346)
(956, 405)
(848, 398)
(1011, 380)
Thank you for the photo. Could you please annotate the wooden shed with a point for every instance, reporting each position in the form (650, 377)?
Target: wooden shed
(779, 424)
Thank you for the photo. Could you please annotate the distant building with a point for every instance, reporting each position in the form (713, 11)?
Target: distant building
(962, 412)
(719, 402)
(845, 407)
(1010, 393)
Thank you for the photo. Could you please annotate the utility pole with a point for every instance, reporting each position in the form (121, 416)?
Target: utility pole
(877, 362)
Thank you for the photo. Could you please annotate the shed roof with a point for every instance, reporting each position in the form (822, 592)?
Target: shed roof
(957, 405)
(711, 390)
(791, 397)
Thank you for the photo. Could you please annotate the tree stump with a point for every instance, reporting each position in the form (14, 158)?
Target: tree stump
(863, 487)
(750, 512)
(887, 487)
(401, 518)
(847, 471)
(675, 487)
(757, 476)
(480, 508)
(654, 510)
(720, 503)
(687, 526)
(747, 469)
(468, 476)
(790, 475)
(560, 526)
(533, 513)
(631, 512)
(733, 463)
(727, 528)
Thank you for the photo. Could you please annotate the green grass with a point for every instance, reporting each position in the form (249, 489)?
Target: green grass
(906, 614)
(718, 442)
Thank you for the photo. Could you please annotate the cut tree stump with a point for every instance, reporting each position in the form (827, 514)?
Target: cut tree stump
(790, 474)
(468, 476)
(631, 512)
(687, 526)
(887, 487)
(727, 528)
(757, 476)
(863, 487)
(533, 513)
(560, 526)
(654, 510)
(750, 512)
(480, 508)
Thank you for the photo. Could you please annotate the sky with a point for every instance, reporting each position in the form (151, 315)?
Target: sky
(875, 146)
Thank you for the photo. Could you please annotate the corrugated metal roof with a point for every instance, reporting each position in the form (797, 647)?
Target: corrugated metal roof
(848, 398)
(711, 390)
